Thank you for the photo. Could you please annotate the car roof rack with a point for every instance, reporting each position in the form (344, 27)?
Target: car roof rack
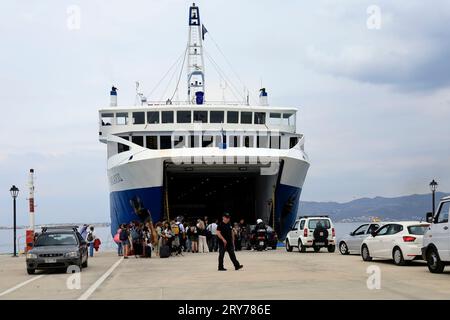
(318, 216)
(61, 227)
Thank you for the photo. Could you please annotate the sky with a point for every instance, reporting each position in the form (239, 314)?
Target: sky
(371, 80)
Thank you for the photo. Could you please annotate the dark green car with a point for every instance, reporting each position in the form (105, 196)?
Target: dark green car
(57, 248)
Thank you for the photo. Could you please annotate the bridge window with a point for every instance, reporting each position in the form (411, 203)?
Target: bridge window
(153, 117)
(207, 141)
(261, 141)
(165, 142)
(194, 141)
(139, 140)
(246, 117)
(201, 116)
(122, 118)
(248, 141)
(233, 117)
(152, 142)
(217, 116)
(184, 117)
(234, 141)
(275, 118)
(292, 142)
(122, 147)
(179, 142)
(167, 116)
(275, 142)
(107, 119)
(288, 119)
(260, 118)
(138, 117)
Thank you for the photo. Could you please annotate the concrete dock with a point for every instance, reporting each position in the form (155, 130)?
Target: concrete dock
(266, 275)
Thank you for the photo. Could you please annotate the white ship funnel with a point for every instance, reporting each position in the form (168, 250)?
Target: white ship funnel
(113, 95)
(263, 101)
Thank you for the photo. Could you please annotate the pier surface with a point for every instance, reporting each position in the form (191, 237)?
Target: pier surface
(266, 275)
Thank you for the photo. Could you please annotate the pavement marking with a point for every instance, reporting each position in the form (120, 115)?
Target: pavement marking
(20, 285)
(100, 280)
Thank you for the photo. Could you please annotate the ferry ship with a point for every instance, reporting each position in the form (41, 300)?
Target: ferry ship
(200, 157)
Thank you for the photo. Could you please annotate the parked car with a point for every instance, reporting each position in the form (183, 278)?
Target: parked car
(312, 232)
(400, 241)
(271, 238)
(436, 241)
(57, 248)
(351, 243)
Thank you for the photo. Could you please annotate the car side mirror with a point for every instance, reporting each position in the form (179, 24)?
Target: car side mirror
(374, 234)
(352, 233)
(429, 217)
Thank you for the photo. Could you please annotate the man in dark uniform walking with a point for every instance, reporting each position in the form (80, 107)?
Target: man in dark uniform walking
(226, 242)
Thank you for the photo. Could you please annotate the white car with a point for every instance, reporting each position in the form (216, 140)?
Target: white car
(351, 243)
(312, 232)
(400, 241)
(436, 241)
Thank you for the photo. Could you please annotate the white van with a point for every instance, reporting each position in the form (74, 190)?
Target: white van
(436, 241)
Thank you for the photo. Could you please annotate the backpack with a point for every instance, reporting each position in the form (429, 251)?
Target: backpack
(90, 237)
(123, 235)
(134, 234)
(176, 229)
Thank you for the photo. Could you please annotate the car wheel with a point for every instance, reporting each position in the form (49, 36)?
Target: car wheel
(365, 254)
(331, 248)
(435, 265)
(288, 246)
(31, 271)
(301, 247)
(85, 264)
(343, 248)
(397, 255)
(316, 249)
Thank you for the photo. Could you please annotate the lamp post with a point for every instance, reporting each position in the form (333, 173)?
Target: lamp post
(433, 188)
(14, 193)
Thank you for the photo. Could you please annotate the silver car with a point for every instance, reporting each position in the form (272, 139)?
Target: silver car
(351, 243)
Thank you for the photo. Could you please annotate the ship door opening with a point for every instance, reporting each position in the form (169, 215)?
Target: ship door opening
(198, 191)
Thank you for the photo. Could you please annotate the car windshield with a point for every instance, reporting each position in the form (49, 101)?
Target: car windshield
(56, 239)
(314, 222)
(418, 230)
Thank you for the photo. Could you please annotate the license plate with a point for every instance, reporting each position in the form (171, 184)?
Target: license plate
(50, 260)
(321, 234)
(261, 243)
(319, 243)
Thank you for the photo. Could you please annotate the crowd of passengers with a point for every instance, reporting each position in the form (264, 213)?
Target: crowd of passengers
(197, 236)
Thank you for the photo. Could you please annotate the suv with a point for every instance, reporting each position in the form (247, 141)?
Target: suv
(57, 248)
(436, 241)
(312, 232)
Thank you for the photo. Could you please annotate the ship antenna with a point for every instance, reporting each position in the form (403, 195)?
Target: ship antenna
(195, 66)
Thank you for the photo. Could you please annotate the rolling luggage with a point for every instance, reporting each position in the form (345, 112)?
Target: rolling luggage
(164, 251)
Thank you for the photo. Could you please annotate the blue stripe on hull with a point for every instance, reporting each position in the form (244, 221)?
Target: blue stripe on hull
(286, 206)
(122, 211)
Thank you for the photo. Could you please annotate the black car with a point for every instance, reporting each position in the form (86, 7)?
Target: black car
(272, 238)
(57, 248)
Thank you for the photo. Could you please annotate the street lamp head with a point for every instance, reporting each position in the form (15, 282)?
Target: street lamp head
(14, 191)
(433, 185)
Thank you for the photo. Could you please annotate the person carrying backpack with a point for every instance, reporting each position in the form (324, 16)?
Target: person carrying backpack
(124, 238)
(90, 238)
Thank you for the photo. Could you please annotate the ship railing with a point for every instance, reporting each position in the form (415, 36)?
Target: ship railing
(208, 102)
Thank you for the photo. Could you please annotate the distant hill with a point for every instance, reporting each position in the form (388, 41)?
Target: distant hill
(412, 207)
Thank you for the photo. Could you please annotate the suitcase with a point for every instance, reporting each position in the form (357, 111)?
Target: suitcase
(164, 251)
